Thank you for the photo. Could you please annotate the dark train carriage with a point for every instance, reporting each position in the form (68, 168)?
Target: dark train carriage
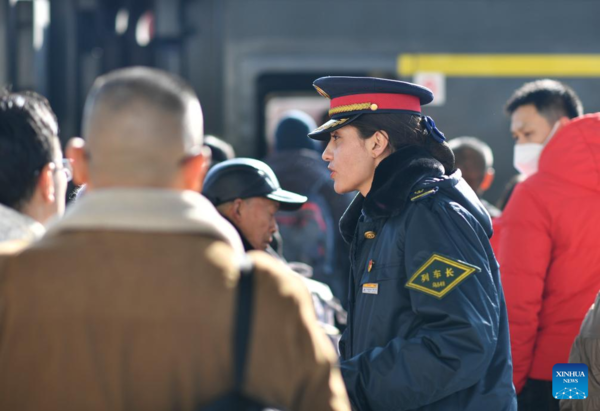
(251, 59)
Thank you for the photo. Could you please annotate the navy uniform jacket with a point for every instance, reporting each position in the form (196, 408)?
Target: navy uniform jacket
(427, 327)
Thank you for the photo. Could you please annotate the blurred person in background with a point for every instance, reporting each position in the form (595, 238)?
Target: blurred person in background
(475, 160)
(548, 241)
(535, 111)
(128, 302)
(220, 150)
(247, 193)
(33, 173)
(310, 234)
(427, 324)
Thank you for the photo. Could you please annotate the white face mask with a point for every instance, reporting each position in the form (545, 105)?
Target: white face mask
(526, 158)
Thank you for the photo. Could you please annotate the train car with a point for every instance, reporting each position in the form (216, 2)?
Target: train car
(250, 60)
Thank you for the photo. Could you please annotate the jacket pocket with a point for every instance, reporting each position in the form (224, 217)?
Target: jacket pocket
(380, 273)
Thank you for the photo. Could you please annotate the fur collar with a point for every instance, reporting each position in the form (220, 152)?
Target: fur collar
(395, 179)
(147, 210)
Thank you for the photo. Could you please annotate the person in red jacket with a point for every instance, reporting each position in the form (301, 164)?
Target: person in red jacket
(548, 244)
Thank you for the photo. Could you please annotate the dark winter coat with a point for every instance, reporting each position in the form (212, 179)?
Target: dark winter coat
(427, 325)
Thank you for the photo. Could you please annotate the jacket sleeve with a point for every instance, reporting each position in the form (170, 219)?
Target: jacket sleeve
(524, 256)
(454, 343)
(292, 363)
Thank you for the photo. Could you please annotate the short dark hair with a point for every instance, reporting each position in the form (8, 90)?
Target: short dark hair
(404, 130)
(121, 87)
(28, 127)
(551, 98)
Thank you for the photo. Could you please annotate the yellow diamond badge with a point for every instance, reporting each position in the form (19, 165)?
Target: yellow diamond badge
(440, 275)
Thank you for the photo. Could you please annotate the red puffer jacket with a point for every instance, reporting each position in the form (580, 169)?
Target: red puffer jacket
(549, 250)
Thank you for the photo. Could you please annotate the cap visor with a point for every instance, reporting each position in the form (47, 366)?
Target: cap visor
(322, 133)
(288, 201)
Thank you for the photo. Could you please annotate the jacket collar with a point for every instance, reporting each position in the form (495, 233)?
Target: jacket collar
(17, 226)
(147, 210)
(395, 179)
(245, 242)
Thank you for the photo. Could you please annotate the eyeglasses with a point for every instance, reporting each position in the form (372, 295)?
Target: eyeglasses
(65, 167)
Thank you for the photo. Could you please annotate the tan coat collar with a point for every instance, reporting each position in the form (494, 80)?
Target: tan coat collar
(147, 210)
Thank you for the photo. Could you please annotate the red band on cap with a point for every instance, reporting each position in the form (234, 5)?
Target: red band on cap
(384, 101)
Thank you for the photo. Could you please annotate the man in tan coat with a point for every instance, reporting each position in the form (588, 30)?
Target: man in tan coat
(128, 302)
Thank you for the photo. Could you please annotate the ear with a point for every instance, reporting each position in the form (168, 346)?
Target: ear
(236, 210)
(379, 143)
(195, 169)
(564, 121)
(488, 179)
(75, 151)
(45, 185)
(560, 123)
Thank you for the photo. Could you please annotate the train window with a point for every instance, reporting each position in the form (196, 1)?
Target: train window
(278, 105)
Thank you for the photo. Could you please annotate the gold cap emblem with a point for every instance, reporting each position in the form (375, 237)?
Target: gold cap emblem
(321, 92)
(331, 123)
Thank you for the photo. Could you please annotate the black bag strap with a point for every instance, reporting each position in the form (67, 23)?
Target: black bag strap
(243, 320)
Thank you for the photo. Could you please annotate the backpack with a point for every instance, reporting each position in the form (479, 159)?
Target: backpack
(308, 236)
(235, 400)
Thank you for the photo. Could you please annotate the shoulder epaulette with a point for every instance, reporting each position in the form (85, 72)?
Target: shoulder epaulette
(422, 193)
